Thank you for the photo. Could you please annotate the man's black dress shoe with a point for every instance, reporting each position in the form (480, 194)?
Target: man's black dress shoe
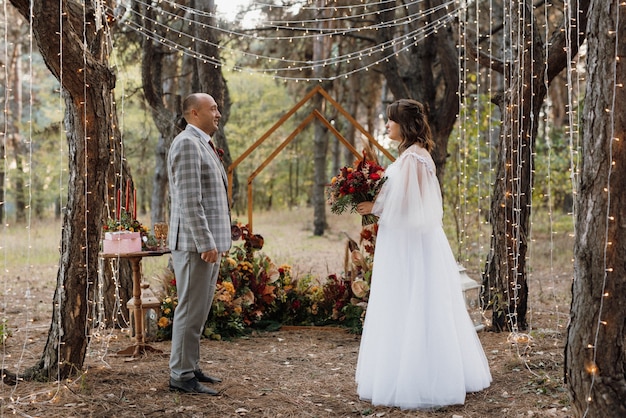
(205, 377)
(191, 386)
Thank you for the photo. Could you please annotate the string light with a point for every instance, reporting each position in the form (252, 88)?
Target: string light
(393, 48)
(388, 49)
(5, 169)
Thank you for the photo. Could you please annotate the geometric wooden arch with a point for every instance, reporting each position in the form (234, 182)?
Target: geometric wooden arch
(315, 114)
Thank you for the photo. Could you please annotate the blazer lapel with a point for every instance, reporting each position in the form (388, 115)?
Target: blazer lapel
(213, 153)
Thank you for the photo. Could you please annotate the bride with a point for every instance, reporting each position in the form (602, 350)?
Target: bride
(419, 348)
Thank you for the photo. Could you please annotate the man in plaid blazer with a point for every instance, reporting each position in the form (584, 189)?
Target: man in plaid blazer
(199, 233)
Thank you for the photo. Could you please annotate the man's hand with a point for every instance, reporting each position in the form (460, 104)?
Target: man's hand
(209, 256)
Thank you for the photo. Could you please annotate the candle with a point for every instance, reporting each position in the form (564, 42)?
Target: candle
(127, 196)
(134, 203)
(118, 203)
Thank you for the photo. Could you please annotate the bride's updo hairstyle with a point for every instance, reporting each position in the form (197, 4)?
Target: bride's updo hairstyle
(414, 128)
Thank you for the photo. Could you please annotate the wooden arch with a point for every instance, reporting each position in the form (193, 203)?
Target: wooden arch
(315, 114)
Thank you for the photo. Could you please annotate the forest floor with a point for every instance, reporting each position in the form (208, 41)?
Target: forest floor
(292, 372)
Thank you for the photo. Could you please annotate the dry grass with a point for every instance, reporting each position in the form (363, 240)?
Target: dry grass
(290, 373)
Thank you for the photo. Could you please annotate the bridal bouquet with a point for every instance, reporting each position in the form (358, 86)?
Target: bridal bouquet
(354, 185)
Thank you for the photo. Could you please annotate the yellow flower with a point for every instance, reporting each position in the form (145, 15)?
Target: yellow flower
(224, 297)
(231, 262)
(229, 287)
(167, 311)
(163, 322)
(168, 300)
(333, 180)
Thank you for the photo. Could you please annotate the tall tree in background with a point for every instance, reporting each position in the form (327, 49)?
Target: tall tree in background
(168, 76)
(160, 67)
(207, 74)
(527, 71)
(595, 354)
(14, 140)
(427, 72)
(90, 119)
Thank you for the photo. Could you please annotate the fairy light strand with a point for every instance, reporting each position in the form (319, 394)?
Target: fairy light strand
(84, 182)
(393, 47)
(547, 132)
(478, 104)
(316, 27)
(5, 182)
(27, 290)
(62, 188)
(102, 332)
(304, 64)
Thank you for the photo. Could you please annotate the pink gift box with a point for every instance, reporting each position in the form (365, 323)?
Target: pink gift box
(121, 242)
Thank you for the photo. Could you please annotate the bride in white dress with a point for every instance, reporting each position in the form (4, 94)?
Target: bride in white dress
(419, 348)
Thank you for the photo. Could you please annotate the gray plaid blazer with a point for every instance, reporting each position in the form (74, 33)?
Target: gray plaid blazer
(200, 214)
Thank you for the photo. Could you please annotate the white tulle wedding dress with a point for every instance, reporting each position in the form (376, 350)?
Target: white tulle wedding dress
(419, 348)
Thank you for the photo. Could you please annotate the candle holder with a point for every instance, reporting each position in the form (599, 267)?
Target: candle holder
(161, 230)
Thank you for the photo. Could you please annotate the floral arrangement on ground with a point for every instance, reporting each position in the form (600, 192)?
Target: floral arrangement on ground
(253, 292)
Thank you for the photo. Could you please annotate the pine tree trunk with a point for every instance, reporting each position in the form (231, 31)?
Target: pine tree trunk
(90, 120)
(595, 357)
(158, 70)
(13, 135)
(320, 145)
(210, 77)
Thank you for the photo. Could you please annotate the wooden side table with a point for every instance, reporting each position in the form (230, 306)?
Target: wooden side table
(139, 347)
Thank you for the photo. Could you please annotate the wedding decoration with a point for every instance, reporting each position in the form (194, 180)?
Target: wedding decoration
(252, 292)
(169, 301)
(126, 235)
(121, 242)
(354, 185)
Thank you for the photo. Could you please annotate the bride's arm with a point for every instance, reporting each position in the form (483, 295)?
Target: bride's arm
(410, 198)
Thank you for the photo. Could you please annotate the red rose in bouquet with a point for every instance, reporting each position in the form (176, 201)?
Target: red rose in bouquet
(354, 185)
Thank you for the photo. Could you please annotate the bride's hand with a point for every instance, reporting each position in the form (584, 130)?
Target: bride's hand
(364, 208)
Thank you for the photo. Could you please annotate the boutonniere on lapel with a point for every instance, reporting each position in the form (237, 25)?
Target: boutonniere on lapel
(218, 151)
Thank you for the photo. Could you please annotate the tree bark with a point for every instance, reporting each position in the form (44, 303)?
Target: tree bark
(430, 75)
(595, 357)
(320, 145)
(87, 84)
